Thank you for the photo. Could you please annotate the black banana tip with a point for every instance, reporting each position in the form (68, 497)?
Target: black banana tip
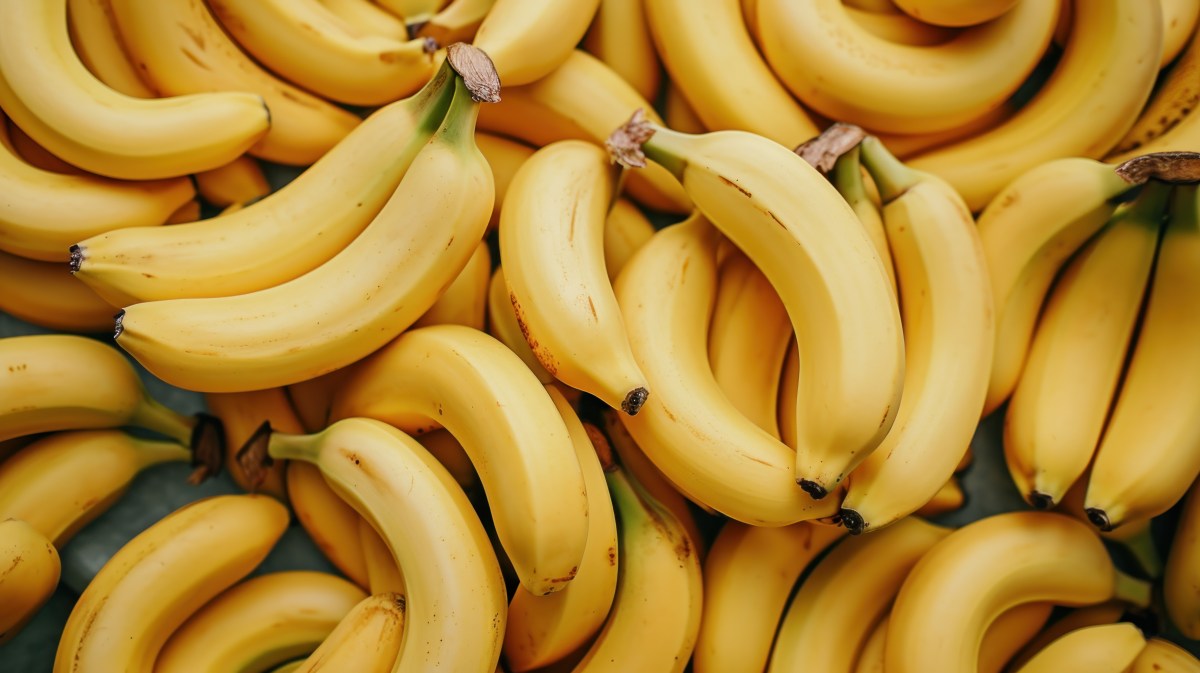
(76, 258)
(1040, 500)
(634, 400)
(1099, 518)
(813, 489)
(853, 521)
(118, 324)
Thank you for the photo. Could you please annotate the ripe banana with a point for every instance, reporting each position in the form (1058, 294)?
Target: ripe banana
(383, 575)
(529, 39)
(656, 613)
(395, 269)
(29, 571)
(626, 229)
(679, 114)
(98, 44)
(240, 181)
(957, 13)
(949, 498)
(688, 428)
(1078, 618)
(450, 453)
(1182, 573)
(367, 640)
(712, 58)
(330, 522)
(748, 575)
(898, 28)
(44, 294)
(65, 382)
(312, 398)
(1147, 459)
(461, 379)
(1093, 96)
(1057, 412)
(1025, 556)
(458, 21)
(1180, 18)
(161, 577)
(1028, 232)
(284, 235)
(433, 533)
(242, 414)
(368, 18)
(181, 49)
(414, 12)
(544, 629)
(864, 79)
(260, 622)
(464, 301)
(503, 325)
(552, 248)
(826, 271)
(505, 157)
(1107, 648)
(620, 37)
(1163, 656)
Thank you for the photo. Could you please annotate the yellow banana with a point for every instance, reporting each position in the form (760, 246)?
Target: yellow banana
(552, 248)
(280, 237)
(1077, 618)
(505, 157)
(457, 21)
(29, 572)
(451, 454)
(905, 145)
(161, 577)
(1182, 573)
(240, 181)
(367, 640)
(1146, 460)
(1090, 100)
(957, 13)
(678, 113)
(898, 28)
(748, 575)
(1163, 656)
(464, 302)
(864, 79)
(432, 531)
(529, 39)
(620, 37)
(260, 622)
(1107, 648)
(950, 497)
(34, 154)
(1180, 19)
(414, 12)
(330, 522)
(368, 18)
(98, 44)
(461, 379)
(1028, 232)
(242, 414)
(503, 325)
(312, 398)
(398, 266)
(1057, 412)
(383, 575)
(626, 229)
(44, 294)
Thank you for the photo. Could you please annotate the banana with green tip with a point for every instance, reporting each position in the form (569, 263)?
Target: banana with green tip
(29, 573)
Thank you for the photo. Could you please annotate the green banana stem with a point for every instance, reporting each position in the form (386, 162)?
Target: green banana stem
(458, 127)
(1131, 590)
(890, 174)
(154, 415)
(1141, 546)
(152, 452)
(1150, 204)
(847, 176)
(1185, 205)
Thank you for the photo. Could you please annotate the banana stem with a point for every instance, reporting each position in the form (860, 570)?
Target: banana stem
(1132, 590)
(284, 446)
(1141, 546)
(153, 415)
(1150, 204)
(459, 124)
(152, 452)
(847, 176)
(890, 174)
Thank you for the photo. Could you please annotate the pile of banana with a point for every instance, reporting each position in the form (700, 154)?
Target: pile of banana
(605, 335)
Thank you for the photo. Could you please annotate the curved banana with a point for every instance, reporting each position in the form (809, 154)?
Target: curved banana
(1025, 556)
(585, 100)
(529, 39)
(330, 522)
(688, 428)
(239, 181)
(461, 379)
(950, 497)
(957, 13)
(1093, 96)
(1078, 618)
(1163, 656)
(398, 265)
(552, 248)
(620, 36)
(1062, 400)
(464, 302)
(260, 622)
(1028, 232)
(414, 12)
(898, 27)
(280, 237)
(383, 575)
(433, 533)
(1144, 464)
(821, 261)
(848, 177)
(242, 414)
(367, 640)
(451, 454)
(1107, 648)
(678, 113)
(864, 79)
(306, 43)
(655, 615)
(503, 325)
(626, 230)
(748, 575)
(66, 382)
(161, 577)
(1182, 573)
(712, 58)
(181, 49)
(98, 44)
(312, 398)
(505, 157)
(63, 481)
(457, 21)
(367, 18)
(1180, 19)
(29, 572)
(544, 629)
(44, 294)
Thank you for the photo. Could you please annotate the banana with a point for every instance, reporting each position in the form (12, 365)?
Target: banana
(898, 28)
(1163, 656)
(712, 58)
(626, 229)
(829, 619)
(957, 13)
(821, 262)
(457, 21)
(789, 388)
(29, 572)
(688, 428)
(451, 454)
(383, 575)
(864, 79)
(282, 236)
(1104, 648)
(1147, 459)
(367, 640)
(552, 248)
(678, 113)
(34, 154)
(464, 301)
(66, 382)
(305, 43)
(260, 622)
(1077, 618)
(395, 269)
(461, 379)
(181, 49)
(1028, 232)
(948, 338)
(98, 44)
(1182, 573)
(1025, 556)
(312, 398)
(1057, 412)
(620, 37)
(503, 325)
(1180, 18)
(905, 145)
(63, 481)
(748, 575)
(544, 629)
(655, 615)
(848, 177)
(414, 12)
(330, 522)
(239, 181)
(529, 39)
(748, 339)
(505, 157)
(585, 100)
(950, 497)
(432, 531)
(368, 18)
(163, 576)
(44, 294)
(1091, 99)
(242, 414)
(1135, 537)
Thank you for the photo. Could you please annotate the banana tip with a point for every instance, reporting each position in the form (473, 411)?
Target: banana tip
(634, 400)
(118, 324)
(813, 489)
(852, 521)
(76, 258)
(477, 70)
(1099, 518)
(1040, 500)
